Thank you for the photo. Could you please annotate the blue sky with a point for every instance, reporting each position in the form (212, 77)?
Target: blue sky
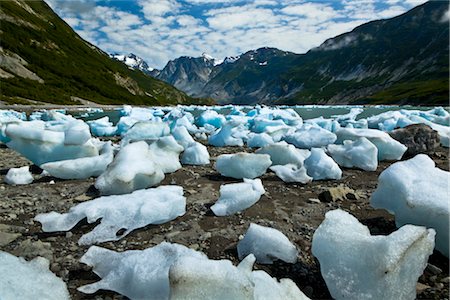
(160, 30)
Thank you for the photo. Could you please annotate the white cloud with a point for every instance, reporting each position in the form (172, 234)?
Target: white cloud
(152, 8)
(316, 11)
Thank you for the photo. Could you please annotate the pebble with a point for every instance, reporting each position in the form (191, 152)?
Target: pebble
(433, 269)
(445, 280)
(314, 200)
(420, 287)
(69, 234)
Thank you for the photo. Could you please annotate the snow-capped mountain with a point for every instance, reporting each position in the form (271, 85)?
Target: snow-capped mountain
(133, 61)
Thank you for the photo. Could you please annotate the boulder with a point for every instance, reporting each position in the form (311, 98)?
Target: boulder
(419, 138)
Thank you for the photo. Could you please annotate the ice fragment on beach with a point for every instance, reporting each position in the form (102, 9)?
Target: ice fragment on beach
(256, 140)
(360, 153)
(166, 153)
(243, 165)
(136, 274)
(128, 212)
(210, 117)
(145, 131)
(267, 244)
(320, 166)
(357, 265)
(236, 197)
(292, 173)
(282, 153)
(417, 193)
(310, 137)
(23, 279)
(225, 136)
(195, 154)
(17, 176)
(102, 127)
(182, 136)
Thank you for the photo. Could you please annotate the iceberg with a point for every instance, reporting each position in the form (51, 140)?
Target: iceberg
(81, 168)
(145, 131)
(388, 148)
(182, 136)
(282, 153)
(119, 214)
(256, 140)
(310, 137)
(195, 154)
(23, 279)
(133, 168)
(357, 265)
(292, 173)
(77, 133)
(321, 167)
(236, 197)
(267, 245)
(224, 137)
(417, 193)
(19, 176)
(102, 127)
(210, 117)
(360, 153)
(243, 165)
(136, 274)
(166, 153)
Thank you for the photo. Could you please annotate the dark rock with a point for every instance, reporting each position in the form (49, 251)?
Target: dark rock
(419, 138)
(433, 269)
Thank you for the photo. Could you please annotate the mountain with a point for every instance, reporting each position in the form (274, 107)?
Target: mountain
(402, 60)
(42, 59)
(134, 62)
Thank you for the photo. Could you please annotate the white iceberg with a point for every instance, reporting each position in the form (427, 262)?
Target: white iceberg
(136, 274)
(133, 168)
(292, 173)
(76, 133)
(81, 168)
(119, 214)
(360, 153)
(310, 137)
(236, 197)
(267, 245)
(321, 167)
(182, 136)
(102, 127)
(256, 140)
(145, 131)
(166, 153)
(388, 148)
(357, 265)
(243, 165)
(19, 176)
(225, 136)
(282, 153)
(195, 154)
(210, 117)
(23, 279)
(417, 193)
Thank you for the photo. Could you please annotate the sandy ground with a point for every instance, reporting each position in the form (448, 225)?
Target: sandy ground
(287, 207)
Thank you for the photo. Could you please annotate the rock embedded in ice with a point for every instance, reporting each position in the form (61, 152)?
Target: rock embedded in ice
(195, 154)
(388, 148)
(133, 168)
(119, 212)
(81, 168)
(136, 274)
(145, 131)
(166, 153)
(19, 176)
(282, 153)
(193, 278)
(357, 265)
(321, 167)
(417, 193)
(292, 173)
(41, 146)
(23, 279)
(360, 153)
(236, 197)
(243, 165)
(310, 137)
(267, 245)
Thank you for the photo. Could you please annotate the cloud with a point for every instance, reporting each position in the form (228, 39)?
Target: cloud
(152, 8)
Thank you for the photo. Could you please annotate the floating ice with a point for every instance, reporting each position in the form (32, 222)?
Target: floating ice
(417, 193)
(224, 136)
(356, 265)
(282, 153)
(350, 116)
(267, 244)
(195, 154)
(81, 168)
(243, 165)
(256, 140)
(129, 212)
(310, 137)
(360, 153)
(16, 176)
(29, 280)
(320, 166)
(136, 274)
(388, 148)
(236, 197)
(194, 278)
(41, 146)
(133, 168)
(102, 127)
(291, 173)
(145, 131)
(327, 124)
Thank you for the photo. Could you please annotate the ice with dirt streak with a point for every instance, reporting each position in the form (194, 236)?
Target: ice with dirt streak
(194, 278)
(19, 176)
(417, 192)
(133, 168)
(320, 166)
(236, 197)
(282, 153)
(292, 173)
(243, 165)
(119, 212)
(23, 279)
(308, 137)
(267, 245)
(195, 154)
(81, 168)
(357, 265)
(361, 154)
(388, 148)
